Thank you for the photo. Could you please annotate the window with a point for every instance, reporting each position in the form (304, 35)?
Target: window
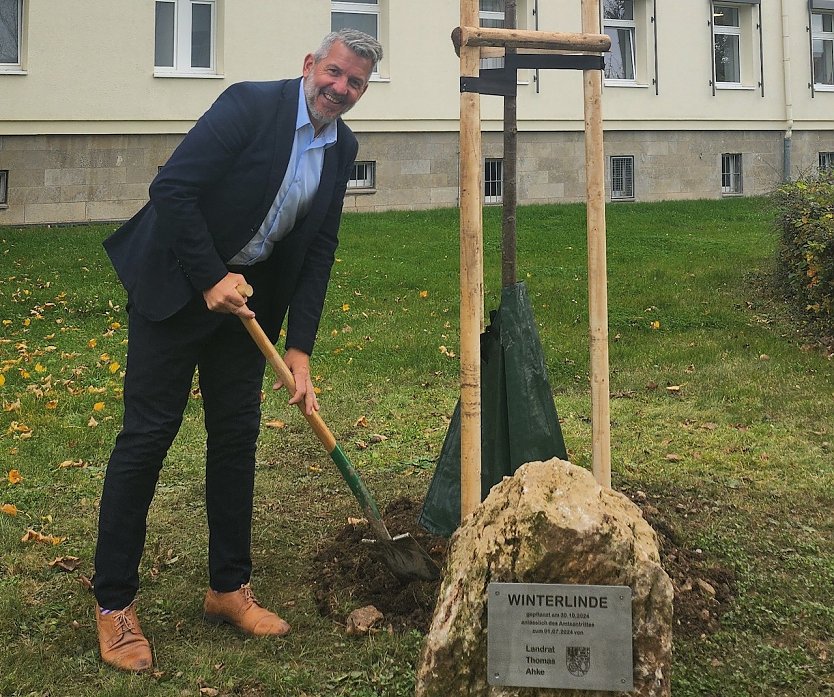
(826, 160)
(11, 33)
(622, 177)
(185, 33)
(363, 15)
(493, 180)
(726, 43)
(822, 48)
(731, 173)
(491, 15)
(4, 187)
(619, 24)
(363, 176)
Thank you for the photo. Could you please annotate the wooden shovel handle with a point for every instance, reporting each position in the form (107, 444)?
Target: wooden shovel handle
(284, 373)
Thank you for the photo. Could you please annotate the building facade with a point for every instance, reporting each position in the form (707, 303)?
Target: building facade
(701, 99)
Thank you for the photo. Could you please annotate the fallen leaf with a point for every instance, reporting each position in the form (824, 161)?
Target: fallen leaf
(361, 444)
(209, 691)
(114, 367)
(363, 620)
(378, 438)
(655, 325)
(33, 536)
(361, 422)
(9, 509)
(71, 463)
(98, 406)
(92, 423)
(275, 423)
(67, 564)
(12, 406)
(673, 457)
(2, 379)
(424, 294)
(15, 477)
(345, 307)
(51, 404)
(673, 389)
(85, 582)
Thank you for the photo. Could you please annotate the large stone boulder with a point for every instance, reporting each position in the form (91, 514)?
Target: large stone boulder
(548, 523)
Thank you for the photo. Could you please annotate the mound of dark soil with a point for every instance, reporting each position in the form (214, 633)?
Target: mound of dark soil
(345, 576)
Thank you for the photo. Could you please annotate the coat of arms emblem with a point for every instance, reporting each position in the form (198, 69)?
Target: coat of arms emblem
(578, 659)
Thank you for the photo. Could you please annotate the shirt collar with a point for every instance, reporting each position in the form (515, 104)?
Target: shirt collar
(328, 136)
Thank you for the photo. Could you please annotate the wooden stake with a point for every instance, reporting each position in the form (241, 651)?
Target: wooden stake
(510, 189)
(597, 268)
(471, 275)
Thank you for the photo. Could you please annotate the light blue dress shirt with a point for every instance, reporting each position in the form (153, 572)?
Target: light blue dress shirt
(295, 196)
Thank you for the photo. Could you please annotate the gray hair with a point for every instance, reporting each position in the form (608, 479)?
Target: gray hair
(362, 44)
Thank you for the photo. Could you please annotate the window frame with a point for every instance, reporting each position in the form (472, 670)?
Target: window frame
(4, 188)
(184, 43)
(491, 165)
(365, 7)
(826, 160)
(366, 183)
(621, 192)
(727, 30)
(732, 173)
(17, 66)
(822, 36)
(617, 24)
(498, 18)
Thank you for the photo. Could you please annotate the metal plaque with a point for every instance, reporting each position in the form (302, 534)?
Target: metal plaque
(560, 636)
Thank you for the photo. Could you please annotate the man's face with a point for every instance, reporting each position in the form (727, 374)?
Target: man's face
(334, 84)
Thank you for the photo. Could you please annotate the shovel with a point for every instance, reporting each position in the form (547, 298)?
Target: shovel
(403, 556)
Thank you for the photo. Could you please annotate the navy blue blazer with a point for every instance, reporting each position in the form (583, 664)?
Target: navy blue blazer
(211, 197)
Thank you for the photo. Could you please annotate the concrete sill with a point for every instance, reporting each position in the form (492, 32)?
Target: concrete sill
(13, 72)
(199, 76)
(359, 192)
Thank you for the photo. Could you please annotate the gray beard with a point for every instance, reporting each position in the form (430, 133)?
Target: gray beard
(310, 93)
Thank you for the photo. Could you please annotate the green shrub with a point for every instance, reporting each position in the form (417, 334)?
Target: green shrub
(805, 217)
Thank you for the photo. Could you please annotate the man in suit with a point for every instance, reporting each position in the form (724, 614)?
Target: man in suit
(253, 194)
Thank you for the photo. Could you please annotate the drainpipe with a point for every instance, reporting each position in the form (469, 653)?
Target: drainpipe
(786, 75)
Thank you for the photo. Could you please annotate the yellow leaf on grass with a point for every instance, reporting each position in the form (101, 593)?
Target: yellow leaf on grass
(345, 307)
(362, 421)
(2, 379)
(25, 374)
(12, 406)
(104, 357)
(72, 463)
(15, 477)
(33, 536)
(424, 294)
(27, 322)
(91, 343)
(655, 325)
(98, 406)
(114, 367)
(9, 509)
(51, 404)
(317, 390)
(6, 322)
(275, 423)
(115, 325)
(39, 368)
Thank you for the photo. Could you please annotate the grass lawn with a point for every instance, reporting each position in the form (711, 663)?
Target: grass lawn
(737, 459)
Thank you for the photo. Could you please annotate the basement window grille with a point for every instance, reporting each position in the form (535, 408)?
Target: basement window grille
(4, 187)
(731, 174)
(622, 177)
(826, 160)
(363, 176)
(493, 180)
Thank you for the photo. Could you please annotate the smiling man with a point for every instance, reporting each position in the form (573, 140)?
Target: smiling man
(253, 194)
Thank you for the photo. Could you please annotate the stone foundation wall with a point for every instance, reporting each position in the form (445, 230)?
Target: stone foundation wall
(82, 178)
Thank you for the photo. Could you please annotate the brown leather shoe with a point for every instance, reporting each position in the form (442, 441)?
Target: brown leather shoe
(121, 641)
(240, 609)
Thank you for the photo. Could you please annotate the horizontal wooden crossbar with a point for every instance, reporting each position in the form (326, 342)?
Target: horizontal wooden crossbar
(519, 38)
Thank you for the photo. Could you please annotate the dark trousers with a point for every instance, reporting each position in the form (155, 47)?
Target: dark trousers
(162, 357)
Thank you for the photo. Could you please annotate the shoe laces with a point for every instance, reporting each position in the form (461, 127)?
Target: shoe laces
(124, 622)
(249, 594)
